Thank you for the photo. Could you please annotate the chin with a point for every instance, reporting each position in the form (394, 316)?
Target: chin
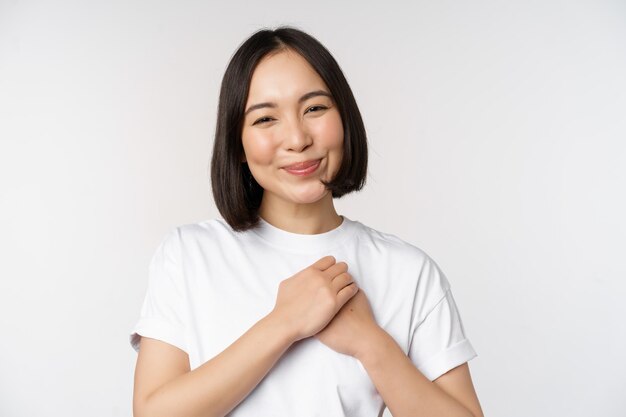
(312, 196)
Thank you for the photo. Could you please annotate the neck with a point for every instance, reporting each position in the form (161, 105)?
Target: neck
(306, 219)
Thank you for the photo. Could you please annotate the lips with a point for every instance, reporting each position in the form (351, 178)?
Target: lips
(299, 166)
(303, 169)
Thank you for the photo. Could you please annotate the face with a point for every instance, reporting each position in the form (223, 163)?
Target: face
(290, 119)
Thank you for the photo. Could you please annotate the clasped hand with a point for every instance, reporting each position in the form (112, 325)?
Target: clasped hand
(323, 301)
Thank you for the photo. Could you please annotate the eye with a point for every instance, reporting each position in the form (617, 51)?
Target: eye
(316, 108)
(262, 120)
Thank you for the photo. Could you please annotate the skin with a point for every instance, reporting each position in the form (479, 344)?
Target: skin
(320, 301)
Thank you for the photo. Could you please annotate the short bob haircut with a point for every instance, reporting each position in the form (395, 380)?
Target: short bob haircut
(235, 191)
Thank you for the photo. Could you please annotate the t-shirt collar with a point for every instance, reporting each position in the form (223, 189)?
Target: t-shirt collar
(304, 242)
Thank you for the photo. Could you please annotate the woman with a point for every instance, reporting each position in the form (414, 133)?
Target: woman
(286, 308)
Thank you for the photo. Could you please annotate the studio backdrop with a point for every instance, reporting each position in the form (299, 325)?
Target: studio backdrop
(497, 145)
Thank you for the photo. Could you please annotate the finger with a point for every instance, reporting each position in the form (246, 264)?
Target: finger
(324, 263)
(341, 280)
(347, 293)
(336, 269)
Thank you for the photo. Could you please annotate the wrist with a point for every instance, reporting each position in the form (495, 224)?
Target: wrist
(283, 327)
(371, 347)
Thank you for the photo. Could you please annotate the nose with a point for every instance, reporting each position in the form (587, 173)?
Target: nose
(295, 136)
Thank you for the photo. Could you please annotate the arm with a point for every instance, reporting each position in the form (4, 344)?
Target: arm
(407, 392)
(306, 302)
(214, 388)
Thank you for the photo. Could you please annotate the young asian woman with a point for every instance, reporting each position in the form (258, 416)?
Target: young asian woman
(284, 307)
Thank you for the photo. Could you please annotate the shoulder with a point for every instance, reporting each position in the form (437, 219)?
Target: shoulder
(406, 256)
(390, 243)
(210, 228)
(201, 236)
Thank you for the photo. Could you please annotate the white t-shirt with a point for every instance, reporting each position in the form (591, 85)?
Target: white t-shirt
(209, 284)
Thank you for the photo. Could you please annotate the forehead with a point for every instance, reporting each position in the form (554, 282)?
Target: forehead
(285, 74)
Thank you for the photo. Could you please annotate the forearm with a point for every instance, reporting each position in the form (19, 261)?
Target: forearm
(404, 389)
(216, 387)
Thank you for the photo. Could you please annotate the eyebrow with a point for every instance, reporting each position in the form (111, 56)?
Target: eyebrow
(305, 97)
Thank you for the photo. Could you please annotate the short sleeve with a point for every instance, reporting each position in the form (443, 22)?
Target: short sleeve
(438, 341)
(162, 313)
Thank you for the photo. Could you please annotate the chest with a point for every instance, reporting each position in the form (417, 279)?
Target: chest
(228, 295)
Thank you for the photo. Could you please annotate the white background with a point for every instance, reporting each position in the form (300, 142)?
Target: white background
(497, 144)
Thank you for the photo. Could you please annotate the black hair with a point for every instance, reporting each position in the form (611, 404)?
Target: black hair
(235, 191)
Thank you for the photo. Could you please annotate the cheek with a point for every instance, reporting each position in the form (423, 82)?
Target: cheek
(330, 137)
(259, 149)
(330, 132)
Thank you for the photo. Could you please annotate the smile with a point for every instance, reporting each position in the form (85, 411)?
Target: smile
(303, 169)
